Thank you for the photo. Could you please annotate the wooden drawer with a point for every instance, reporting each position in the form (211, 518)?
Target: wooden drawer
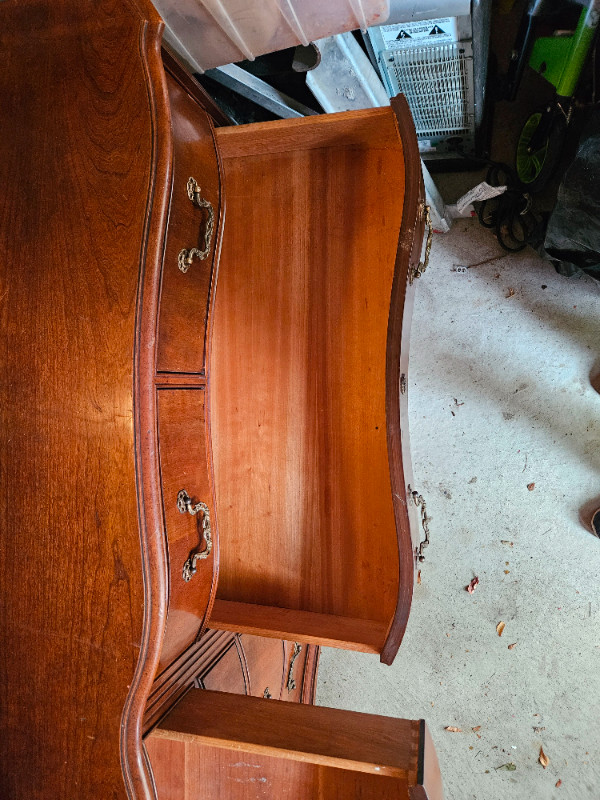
(262, 663)
(184, 468)
(218, 745)
(229, 674)
(265, 661)
(194, 222)
(310, 331)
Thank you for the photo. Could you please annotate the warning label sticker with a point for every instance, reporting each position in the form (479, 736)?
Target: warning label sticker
(412, 34)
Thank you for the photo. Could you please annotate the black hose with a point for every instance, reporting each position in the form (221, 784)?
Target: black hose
(509, 214)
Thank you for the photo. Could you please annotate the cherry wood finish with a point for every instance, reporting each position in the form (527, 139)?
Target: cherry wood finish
(183, 319)
(429, 778)
(88, 580)
(327, 736)
(183, 464)
(172, 683)
(250, 667)
(84, 170)
(181, 768)
(410, 241)
(106, 401)
(266, 663)
(322, 629)
(231, 675)
(263, 663)
(311, 474)
(217, 745)
(193, 88)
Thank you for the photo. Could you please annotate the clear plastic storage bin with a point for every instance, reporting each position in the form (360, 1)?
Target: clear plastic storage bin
(210, 33)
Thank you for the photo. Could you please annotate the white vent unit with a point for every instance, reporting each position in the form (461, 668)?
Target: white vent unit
(440, 65)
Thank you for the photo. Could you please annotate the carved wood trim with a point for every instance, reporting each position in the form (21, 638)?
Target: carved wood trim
(401, 305)
(137, 777)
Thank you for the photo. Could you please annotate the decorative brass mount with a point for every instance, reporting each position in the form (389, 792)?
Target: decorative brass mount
(184, 505)
(186, 257)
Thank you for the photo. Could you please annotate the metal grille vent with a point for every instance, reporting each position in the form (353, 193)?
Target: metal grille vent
(436, 83)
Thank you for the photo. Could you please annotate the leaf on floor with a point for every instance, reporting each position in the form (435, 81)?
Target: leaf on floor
(471, 587)
(510, 766)
(452, 729)
(558, 783)
(511, 292)
(512, 646)
(543, 758)
(476, 728)
(500, 628)
(419, 577)
(506, 541)
(531, 486)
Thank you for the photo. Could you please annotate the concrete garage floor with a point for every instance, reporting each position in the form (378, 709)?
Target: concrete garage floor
(499, 399)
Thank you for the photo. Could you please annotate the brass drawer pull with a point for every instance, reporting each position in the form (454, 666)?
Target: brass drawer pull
(291, 683)
(419, 501)
(417, 271)
(185, 506)
(186, 257)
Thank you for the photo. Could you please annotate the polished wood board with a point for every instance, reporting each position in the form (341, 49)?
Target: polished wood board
(327, 630)
(184, 466)
(185, 296)
(184, 771)
(214, 745)
(83, 166)
(299, 384)
(330, 737)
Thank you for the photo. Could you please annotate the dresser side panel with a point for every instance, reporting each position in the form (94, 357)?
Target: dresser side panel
(76, 169)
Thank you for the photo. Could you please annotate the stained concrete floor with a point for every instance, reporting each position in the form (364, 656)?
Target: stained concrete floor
(499, 399)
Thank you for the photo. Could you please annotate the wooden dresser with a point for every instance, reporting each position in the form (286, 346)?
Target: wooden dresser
(202, 482)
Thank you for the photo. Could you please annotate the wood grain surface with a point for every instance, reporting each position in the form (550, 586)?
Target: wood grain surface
(408, 257)
(184, 466)
(230, 674)
(330, 737)
(328, 630)
(255, 662)
(266, 663)
(215, 745)
(184, 302)
(300, 388)
(83, 165)
(185, 771)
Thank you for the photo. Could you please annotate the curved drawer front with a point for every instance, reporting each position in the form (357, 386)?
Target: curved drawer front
(191, 239)
(187, 502)
(265, 660)
(310, 331)
(228, 674)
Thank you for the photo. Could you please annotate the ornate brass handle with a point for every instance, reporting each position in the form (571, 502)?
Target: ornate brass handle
(417, 271)
(291, 683)
(185, 506)
(186, 257)
(419, 500)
